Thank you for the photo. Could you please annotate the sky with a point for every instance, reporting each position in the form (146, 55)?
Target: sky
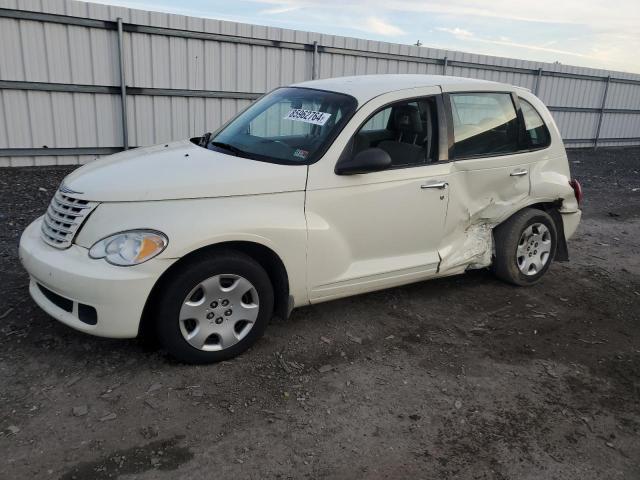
(589, 33)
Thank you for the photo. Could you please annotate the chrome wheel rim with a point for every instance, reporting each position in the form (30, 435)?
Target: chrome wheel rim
(219, 312)
(534, 249)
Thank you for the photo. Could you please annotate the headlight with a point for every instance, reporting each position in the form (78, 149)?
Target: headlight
(130, 248)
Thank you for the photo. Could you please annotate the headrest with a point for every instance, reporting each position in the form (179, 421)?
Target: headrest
(406, 119)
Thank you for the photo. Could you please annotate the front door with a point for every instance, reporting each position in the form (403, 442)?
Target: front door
(380, 229)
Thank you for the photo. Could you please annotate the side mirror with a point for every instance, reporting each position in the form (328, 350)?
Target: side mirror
(366, 161)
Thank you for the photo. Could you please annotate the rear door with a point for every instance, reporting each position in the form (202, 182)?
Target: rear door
(490, 173)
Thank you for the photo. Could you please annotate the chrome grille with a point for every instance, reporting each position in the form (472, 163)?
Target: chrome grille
(63, 219)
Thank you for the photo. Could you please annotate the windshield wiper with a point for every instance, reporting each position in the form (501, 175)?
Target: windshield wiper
(228, 146)
(204, 140)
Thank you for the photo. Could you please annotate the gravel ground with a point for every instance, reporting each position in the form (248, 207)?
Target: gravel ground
(464, 377)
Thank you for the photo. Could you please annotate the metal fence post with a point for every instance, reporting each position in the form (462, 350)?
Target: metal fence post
(123, 87)
(445, 64)
(538, 79)
(602, 106)
(314, 61)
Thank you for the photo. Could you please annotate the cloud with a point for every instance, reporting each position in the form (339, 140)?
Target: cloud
(376, 25)
(527, 46)
(456, 32)
(505, 41)
(585, 12)
(598, 14)
(617, 50)
(279, 10)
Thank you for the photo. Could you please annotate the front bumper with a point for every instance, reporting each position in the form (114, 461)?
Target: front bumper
(118, 294)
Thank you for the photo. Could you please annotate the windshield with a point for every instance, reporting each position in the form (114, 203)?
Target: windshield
(289, 125)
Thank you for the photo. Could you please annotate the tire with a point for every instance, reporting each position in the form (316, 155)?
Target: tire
(519, 263)
(202, 310)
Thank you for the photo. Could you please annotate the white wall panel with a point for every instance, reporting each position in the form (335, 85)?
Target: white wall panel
(577, 125)
(620, 125)
(40, 51)
(623, 95)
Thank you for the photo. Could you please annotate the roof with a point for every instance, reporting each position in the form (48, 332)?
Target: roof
(366, 87)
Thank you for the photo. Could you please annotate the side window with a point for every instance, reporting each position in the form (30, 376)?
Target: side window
(537, 134)
(378, 122)
(483, 124)
(406, 130)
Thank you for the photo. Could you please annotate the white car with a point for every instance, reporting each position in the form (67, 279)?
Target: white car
(316, 191)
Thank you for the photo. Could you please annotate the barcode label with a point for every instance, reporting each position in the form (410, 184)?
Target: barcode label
(307, 116)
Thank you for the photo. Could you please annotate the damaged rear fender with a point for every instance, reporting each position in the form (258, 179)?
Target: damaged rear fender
(474, 248)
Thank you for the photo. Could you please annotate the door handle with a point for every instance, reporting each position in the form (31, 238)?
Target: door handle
(521, 172)
(436, 184)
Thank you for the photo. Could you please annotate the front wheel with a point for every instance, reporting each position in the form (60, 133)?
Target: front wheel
(525, 247)
(214, 308)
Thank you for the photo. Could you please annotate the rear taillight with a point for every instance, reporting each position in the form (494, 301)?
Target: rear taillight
(577, 190)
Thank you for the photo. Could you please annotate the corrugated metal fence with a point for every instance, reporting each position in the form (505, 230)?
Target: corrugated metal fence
(79, 80)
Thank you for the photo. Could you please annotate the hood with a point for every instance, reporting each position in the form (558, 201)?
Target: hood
(180, 170)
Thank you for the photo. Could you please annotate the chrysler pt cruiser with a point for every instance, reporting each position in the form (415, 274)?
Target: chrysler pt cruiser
(317, 191)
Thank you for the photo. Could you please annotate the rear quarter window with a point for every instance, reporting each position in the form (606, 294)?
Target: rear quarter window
(536, 131)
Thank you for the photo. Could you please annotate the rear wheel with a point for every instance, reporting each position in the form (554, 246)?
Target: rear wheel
(214, 308)
(525, 247)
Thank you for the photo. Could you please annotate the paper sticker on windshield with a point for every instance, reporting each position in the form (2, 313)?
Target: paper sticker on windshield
(308, 116)
(300, 153)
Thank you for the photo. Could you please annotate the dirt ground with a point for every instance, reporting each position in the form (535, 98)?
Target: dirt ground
(464, 378)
